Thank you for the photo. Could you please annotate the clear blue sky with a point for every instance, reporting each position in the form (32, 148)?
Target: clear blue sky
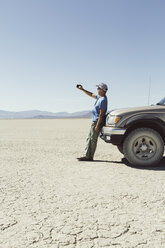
(46, 46)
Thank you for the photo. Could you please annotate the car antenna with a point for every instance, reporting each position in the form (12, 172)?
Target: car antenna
(149, 90)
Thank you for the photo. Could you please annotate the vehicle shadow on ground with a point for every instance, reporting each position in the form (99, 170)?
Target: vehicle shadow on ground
(158, 167)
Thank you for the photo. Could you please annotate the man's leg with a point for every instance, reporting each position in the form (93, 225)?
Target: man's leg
(88, 142)
(94, 139)
(88, 150)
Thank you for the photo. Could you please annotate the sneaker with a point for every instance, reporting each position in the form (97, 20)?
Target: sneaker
(85, 159)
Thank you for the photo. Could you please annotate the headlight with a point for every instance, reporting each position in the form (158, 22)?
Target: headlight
(112, 119)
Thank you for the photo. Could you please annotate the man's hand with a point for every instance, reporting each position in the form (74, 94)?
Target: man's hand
(79, 86)
(97, 129)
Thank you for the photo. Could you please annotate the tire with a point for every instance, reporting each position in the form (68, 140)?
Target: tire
(120, 148)
(143, 147)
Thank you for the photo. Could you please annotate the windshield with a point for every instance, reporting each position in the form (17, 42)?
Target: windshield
(162, 102)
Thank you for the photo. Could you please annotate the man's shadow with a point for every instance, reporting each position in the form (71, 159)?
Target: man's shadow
(159, 167)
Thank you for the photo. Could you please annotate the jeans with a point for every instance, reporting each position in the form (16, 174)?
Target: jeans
(91, 141)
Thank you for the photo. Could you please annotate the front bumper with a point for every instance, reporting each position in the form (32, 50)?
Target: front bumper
(112, 135)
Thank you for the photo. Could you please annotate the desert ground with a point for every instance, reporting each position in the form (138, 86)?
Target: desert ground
(49, 199)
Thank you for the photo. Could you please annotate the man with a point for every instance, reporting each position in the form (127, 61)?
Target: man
(98, 115)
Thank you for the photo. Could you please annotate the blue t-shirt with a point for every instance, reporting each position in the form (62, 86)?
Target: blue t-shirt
(101, 103)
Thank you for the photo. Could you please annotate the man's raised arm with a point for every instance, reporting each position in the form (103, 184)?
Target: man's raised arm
(80, 87)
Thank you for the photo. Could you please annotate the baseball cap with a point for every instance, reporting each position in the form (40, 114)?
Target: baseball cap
(102, 86)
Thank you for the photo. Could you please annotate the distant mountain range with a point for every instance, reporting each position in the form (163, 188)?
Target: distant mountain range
(38, 114)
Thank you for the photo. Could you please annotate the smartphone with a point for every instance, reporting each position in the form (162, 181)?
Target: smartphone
(78, 86)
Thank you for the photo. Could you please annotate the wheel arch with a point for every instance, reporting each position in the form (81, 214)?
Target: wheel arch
(155, 124)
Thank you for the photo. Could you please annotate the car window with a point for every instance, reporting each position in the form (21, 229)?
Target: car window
(162, 102)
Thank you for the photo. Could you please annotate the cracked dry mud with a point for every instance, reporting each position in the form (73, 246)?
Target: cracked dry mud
(49, 199)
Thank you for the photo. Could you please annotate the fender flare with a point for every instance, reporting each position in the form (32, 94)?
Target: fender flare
(144, 118)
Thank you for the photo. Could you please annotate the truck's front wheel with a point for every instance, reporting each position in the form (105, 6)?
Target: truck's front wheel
(143, 147)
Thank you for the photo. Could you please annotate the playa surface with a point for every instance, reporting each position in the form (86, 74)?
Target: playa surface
(49, 199)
